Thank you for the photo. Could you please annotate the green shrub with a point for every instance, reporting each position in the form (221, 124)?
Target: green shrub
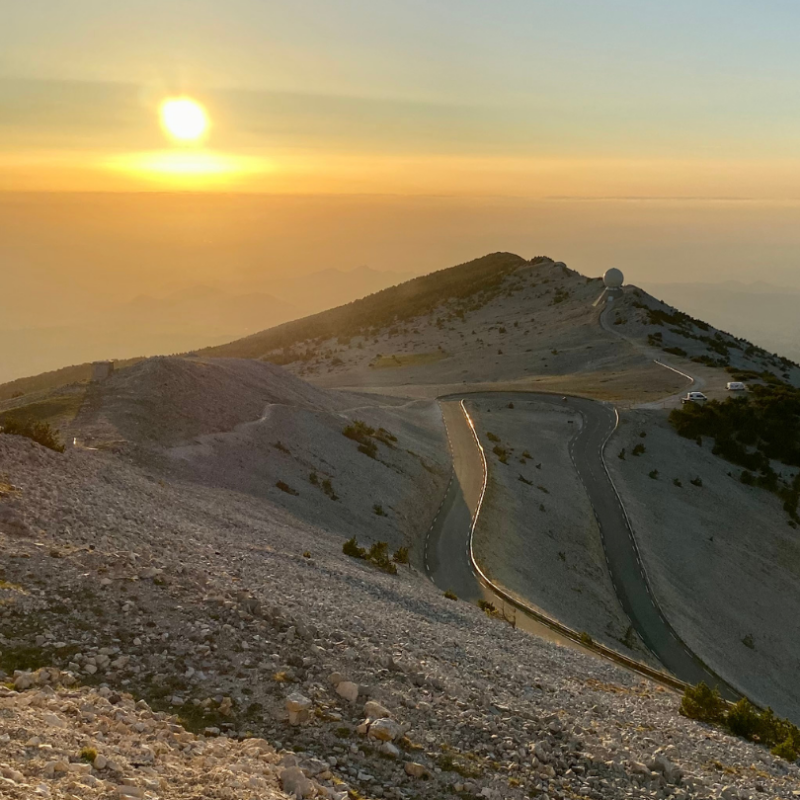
(284, 487)
(451, 595)
(653, 474)
(400, 555)
(621, 454)
(40, 432)
(787, 749)
(327, 488)
(638, 450)
(377, 509)
(88, 754)
(743, 719)
(696, 481)
(704, 704)
(586, 639)
(352, 549)
(492, 437)
(677, 482)
(501, 453)
(313, 479)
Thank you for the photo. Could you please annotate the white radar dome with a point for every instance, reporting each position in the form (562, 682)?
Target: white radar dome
(613, 278)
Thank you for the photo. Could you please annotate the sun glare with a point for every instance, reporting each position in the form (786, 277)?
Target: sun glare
(184, 119)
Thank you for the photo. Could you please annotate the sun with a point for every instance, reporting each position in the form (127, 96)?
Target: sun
(184, 119)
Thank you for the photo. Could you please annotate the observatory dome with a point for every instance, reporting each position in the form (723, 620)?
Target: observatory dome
(613, 278)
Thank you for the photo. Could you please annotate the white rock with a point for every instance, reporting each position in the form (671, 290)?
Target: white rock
(386, 730)
(374, 710)
(416, 770)
(295, 783)
(348, 690)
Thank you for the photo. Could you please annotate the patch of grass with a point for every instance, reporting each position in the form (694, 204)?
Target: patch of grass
(327, 488)
(399, 360)
(501, 453)
(450, 595)
(313, 479)
(492, 437)
(400, 556)
(586, 638)
(88, 754)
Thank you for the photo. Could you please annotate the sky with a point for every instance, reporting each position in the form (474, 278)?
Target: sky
(402, 135)
(524, 98)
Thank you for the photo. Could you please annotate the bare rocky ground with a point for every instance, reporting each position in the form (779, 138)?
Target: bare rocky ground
(188, 622)
(722, 557)
(537, 535)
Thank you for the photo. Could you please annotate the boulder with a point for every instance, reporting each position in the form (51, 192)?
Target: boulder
(295, 783)
(385, 730)
(299, 708)
(374, 710)
(416, 770)
(348, 690)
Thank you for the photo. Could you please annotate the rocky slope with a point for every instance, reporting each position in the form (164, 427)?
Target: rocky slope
(241, 620)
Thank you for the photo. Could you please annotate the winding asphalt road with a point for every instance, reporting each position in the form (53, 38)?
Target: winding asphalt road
(447, 549)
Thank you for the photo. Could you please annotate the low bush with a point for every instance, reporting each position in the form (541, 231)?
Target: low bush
(742, 719)
(351, 548)
(638, 450)
(400, 555)
(284, 487)
(492, 437)
(451, 595)
(653, 474)
(377, 509)
(40, 432)
(696, 481)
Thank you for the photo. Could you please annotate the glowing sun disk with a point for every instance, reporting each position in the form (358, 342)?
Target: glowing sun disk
(184, 119)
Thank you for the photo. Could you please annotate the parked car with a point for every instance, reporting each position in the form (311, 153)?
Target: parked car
(694, 397)
(735, 386)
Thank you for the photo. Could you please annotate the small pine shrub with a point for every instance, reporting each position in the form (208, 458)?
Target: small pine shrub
(704, 704)
(501, 453)
(284, 487)
(787, 749)
(638, 450)
(307, 554)
(282, 447)
(451, 595)
(351, 548)
(586, 639)
(313, 479)
(696, 482)
(744, 720)
(621, 454)
(492, 437)
(677, 482)
(525, 480)
(40, 432)
(378, 510)
(400, 555)
(653, 474)
(327, 488)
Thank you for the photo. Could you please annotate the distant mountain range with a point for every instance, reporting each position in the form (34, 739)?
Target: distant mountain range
(191, 316)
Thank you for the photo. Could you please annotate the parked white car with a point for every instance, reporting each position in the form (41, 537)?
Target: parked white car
(694, 397)
(735, 386)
